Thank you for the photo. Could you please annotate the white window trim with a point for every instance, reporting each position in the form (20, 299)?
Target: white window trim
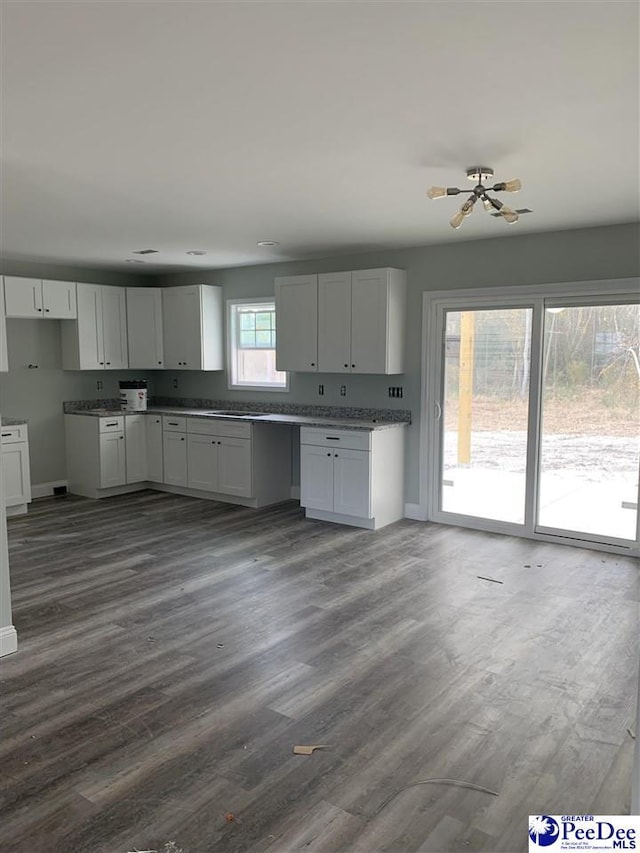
(231, 346)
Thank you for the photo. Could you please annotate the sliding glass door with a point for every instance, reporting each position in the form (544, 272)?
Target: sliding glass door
(484, 411)
(535, 425)
(590, 433)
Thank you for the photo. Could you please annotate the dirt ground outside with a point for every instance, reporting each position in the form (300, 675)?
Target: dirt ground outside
(589, 413)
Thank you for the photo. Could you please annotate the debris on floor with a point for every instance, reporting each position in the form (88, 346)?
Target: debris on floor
(229, 817)
(631, 733)
(457, 782)
(307, 750)
(493, 580)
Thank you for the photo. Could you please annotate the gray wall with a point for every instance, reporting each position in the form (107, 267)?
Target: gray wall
(510, 260)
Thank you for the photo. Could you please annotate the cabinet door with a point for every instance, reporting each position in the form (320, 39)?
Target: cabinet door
(113, 471)
(17, 482)
(59, 299)
(23, 296)
(352, 483)
(334, 322)
(136, 448)
(296, 299)
(182, 329)
(369, 293)
(234, 467)
(90, 342)
(114, 324)
(4, 360)
(316, 477)
(174, 458)
(153, 425)
(202, 462)
(144, 327)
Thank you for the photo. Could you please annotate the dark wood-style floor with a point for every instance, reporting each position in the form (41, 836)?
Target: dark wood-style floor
(173, 651)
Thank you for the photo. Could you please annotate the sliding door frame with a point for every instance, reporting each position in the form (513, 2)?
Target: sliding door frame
(536, 297)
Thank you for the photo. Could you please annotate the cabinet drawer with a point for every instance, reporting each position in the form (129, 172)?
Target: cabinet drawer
(115, 424)
(14, 433)
(351, 439)
(226, 428)
(173, 424)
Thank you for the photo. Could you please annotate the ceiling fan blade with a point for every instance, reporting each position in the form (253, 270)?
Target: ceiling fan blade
(519, 210)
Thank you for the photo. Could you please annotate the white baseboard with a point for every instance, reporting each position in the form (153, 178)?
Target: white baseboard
(43, 490)
(415, 511)
(8, 641)
(295, 492)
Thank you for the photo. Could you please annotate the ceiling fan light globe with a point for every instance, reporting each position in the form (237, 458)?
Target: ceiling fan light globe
(436, 192)
(457, 220)
(513, 186)
(510, 215)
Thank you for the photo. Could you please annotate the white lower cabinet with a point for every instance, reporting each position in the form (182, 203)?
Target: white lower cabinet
(153, 424)
(136, 448)
(234, 467)
(217, 461)
(113, 466)
(225, 460)
(16, 469)
(353, 476)
(174, 457)
(202, 463)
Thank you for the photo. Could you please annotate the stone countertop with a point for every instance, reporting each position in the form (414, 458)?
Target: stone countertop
(13, 421)
(268, 418)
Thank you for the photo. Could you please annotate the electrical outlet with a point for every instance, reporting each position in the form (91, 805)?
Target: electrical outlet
(99, 385)
(175, 382)
(320, 390)
(343, 390)
(395, 391)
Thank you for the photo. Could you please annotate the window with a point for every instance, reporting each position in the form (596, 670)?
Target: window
(251, 333)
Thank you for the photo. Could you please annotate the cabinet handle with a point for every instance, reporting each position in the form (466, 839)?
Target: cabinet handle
(121, 438)
(219, 442)
(182, 439)
(108, 362)
(159, 362)
(39, 309)
(313, 364)
(7, 434)
(328, 454)
(115, 423)
(336, 455)
(332, 437)
(353, 365)
(101, 362)
(47, 310)
(346, 365)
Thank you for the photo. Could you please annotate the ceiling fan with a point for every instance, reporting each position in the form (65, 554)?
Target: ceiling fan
(480, 191)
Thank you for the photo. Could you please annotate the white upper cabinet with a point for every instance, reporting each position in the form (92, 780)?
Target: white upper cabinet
(144, 327)
(334, 322)
(296, 299)
(97, 340)
(378, 309)
(4, 361)
(192, 327)
(359, 322)
(34, 297)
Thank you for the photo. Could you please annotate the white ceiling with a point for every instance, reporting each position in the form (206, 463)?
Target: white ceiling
(212, 125)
